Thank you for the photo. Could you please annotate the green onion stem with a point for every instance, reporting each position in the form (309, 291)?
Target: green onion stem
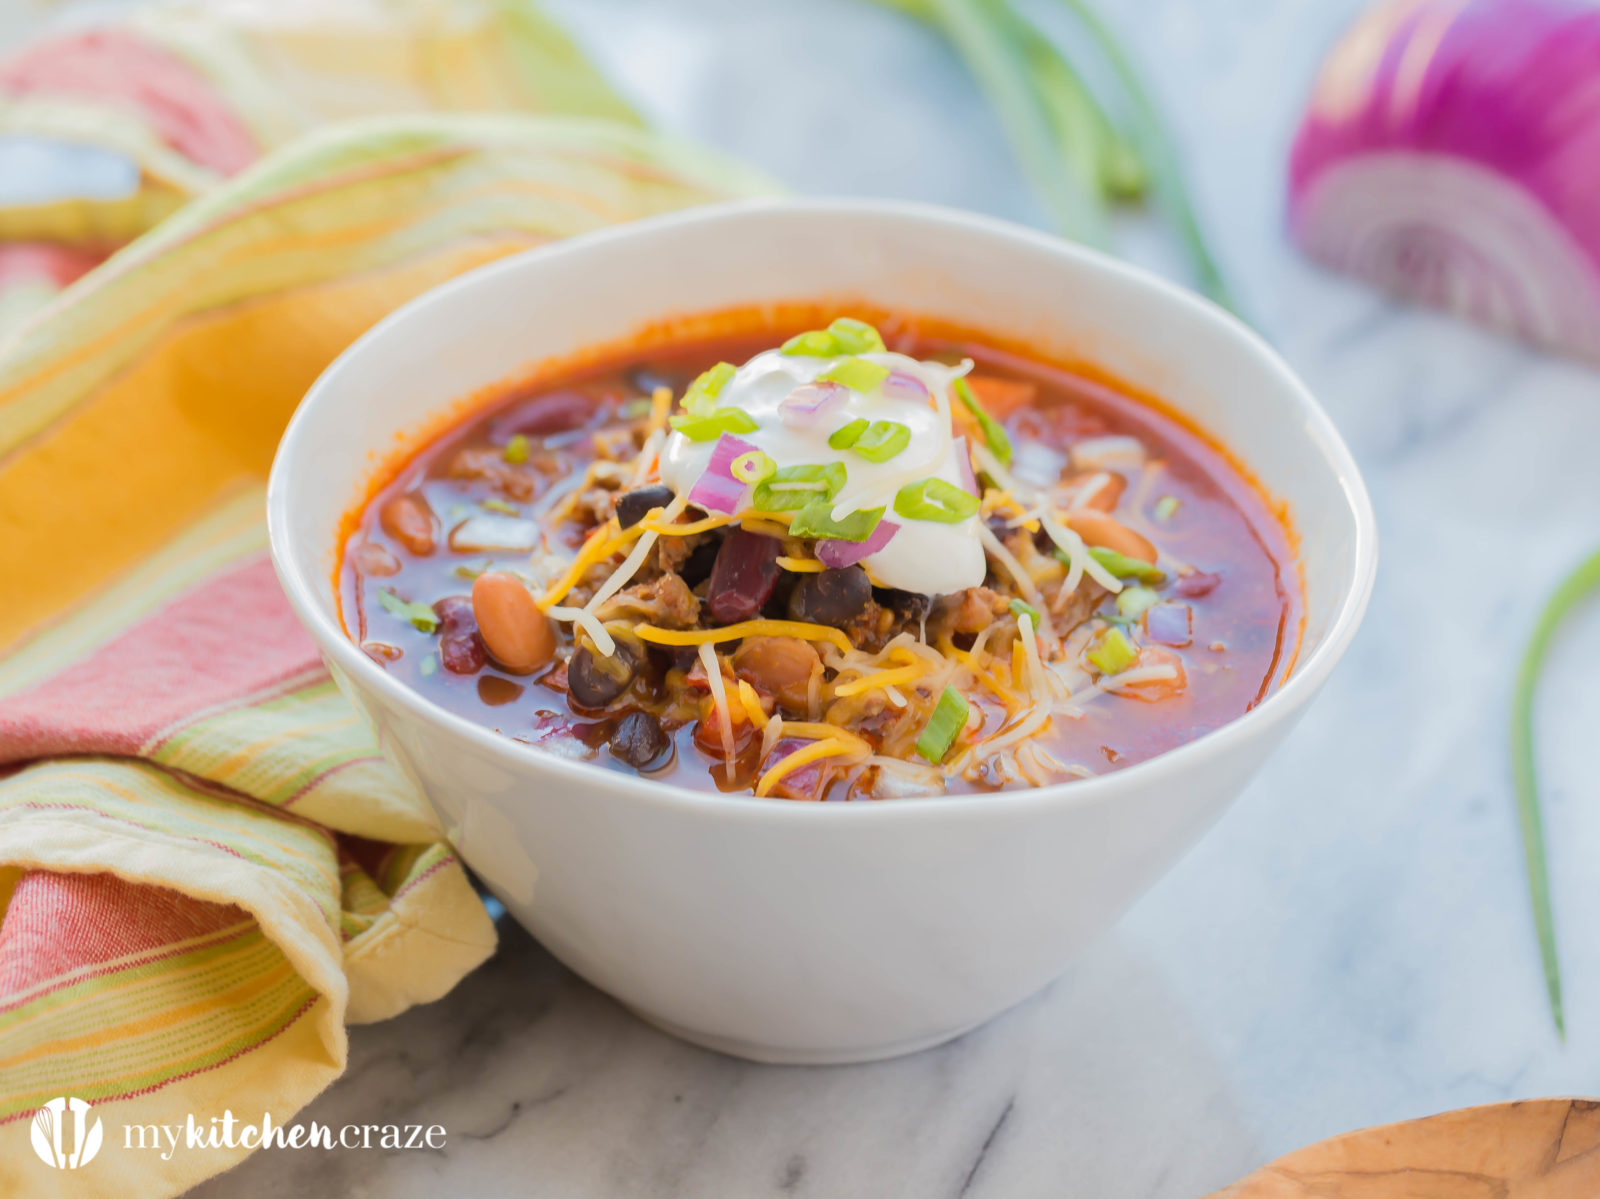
(1156, 147)
(1000, 68)
(1574, 588)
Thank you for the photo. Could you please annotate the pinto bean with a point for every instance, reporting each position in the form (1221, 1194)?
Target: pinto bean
(408, 519)
(374, 560)
(780, 666)
(1096, 528)
(517, 635)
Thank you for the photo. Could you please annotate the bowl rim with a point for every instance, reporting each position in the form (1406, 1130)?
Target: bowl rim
(1304, 681)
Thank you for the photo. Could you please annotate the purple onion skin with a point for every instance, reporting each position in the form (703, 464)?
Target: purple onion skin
(1451, 153)
(744, 577)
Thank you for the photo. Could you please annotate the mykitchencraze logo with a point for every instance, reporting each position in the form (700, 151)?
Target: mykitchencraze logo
(64, 1137)
(63, 1143)
(227, 1132)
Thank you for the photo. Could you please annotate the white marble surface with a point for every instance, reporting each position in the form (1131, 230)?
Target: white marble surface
(1351, 945)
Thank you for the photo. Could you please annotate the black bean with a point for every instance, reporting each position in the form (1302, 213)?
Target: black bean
(640, 741)
(594, 681)
(696, 568)
(831, 597)
(909, 606)
(633, 506)
(742, 580)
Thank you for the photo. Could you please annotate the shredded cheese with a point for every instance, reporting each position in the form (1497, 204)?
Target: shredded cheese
(752, 705)
(666, 528)
(1024, 580)
(596, 549)
(832, 747)
(883, 678)
(631, 564)
(1083, 562)
(817, 731)
(800, 566)
(745, 628)
(719, 697)
(587, 621)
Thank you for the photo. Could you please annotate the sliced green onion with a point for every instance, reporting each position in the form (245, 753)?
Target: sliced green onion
(702, 395)
(422, 616)
(753, 467)
(495, 504)
(1112, 652)
(1023, 608)
(470, 573)
(944, 726)
(934, 499)
(993, 433)
(430, 666)
(712, 425)
(1573, 590)
(816, 520)
(881, 440)
(795, 487)
(856, 337)
(844, 437)
(816, 343)
(1132, 601)
(1166, 507)
(857, 374)
(1125, 567)
(516, 450)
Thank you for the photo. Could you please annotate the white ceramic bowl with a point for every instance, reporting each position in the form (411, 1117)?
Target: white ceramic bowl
(815, 932)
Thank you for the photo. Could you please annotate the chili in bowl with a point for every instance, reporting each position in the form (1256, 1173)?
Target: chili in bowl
(816, 619)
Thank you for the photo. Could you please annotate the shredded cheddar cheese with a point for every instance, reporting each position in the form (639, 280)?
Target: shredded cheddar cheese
(752, 704)
(745, 628)
(596, 549)
(883, 678)
(832, 747)
(800, 565)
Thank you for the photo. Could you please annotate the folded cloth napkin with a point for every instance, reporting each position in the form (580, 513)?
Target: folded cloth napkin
(109, 125)
(206, 868)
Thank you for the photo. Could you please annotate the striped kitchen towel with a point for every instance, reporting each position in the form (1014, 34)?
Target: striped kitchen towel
(206, 869)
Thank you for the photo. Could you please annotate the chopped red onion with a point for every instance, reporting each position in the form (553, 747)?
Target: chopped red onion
(1197, 584)
(903, 385)
(1169, 624)
(803, 407)
(836, 555)
(717, 490)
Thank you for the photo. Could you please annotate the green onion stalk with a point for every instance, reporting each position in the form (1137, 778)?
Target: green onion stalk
(1074, 155)
(1573, 590)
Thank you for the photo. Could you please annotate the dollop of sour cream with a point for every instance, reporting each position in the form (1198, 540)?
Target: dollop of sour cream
(929, 557)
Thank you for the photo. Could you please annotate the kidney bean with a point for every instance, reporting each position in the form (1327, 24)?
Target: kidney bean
(1097, 528)
(831, 597)
(516, 634)
(594, 681)
(633, 506)
(1197, 584)
(460, 649)
(743, 577)
(557, 412)
(640, 741)
(408, 519)
(374, 560)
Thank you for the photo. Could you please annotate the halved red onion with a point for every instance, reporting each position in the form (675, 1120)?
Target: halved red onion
(717, 490)
(1448, 156)
(964, 464)
(903, 385)
(803, 407)
(836, 555)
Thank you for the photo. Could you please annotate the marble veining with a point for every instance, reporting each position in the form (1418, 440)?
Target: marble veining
(1350, 945)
